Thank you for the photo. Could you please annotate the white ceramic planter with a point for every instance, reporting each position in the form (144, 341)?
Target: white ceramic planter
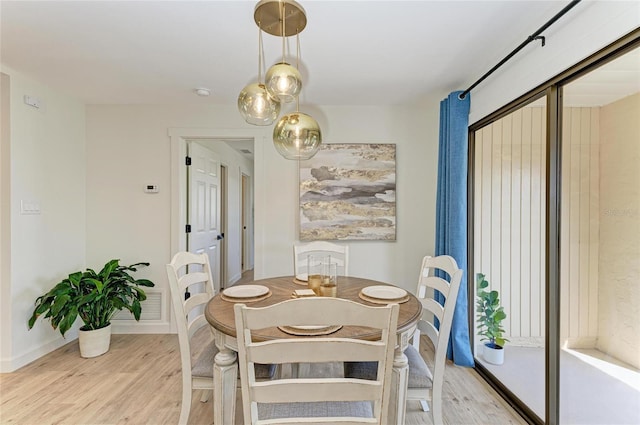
(493, 355)
(94, 343)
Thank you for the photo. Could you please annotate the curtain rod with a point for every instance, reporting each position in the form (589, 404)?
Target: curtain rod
(532, 37)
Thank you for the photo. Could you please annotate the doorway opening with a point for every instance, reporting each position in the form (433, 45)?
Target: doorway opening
(234, 150)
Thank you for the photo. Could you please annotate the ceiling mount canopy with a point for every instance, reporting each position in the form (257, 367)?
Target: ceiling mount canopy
(269, 16)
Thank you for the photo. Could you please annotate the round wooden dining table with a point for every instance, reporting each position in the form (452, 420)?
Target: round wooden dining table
(219, 314)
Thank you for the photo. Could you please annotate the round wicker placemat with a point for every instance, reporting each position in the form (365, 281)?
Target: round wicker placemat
(381, 301)
(245, 300)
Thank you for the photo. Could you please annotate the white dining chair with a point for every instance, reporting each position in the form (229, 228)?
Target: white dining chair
(190, 274)
(323, 399)
(191, 285)
(339, 255)
(423, 383)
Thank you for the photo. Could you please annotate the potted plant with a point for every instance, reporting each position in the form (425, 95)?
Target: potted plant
(95, 297)
(490, 316)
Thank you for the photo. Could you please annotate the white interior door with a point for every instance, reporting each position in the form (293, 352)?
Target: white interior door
(203, 177)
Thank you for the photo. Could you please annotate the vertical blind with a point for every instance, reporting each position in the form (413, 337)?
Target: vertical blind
(509, 210)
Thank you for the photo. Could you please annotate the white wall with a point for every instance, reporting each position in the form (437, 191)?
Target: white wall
(585, 29)
(47, 154)
(128, 146)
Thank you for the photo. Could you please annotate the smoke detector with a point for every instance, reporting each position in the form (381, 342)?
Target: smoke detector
(203, 91)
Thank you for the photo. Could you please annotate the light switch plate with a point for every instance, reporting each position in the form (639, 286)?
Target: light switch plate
(32, 101)
(29, 207)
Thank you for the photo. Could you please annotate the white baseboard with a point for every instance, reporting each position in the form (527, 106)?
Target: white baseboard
(118, 327)
(15, 363)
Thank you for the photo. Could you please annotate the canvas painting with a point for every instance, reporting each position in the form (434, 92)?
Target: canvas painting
(348, 192)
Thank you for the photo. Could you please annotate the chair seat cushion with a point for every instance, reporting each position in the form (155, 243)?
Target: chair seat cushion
(203, 366)
(359, 409)
(419, 373)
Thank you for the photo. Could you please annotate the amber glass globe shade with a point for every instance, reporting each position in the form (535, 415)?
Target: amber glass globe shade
(283, 82)
(256, 106)
(297, 136)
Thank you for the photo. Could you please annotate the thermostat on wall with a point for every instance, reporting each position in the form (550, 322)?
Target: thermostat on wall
(151, 188)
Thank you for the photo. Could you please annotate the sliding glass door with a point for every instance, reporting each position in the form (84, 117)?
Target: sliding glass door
(600, 246)
(555, 230)
(509, 175)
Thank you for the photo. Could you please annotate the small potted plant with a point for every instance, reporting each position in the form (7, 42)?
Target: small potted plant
(490, 316)
(95, 297)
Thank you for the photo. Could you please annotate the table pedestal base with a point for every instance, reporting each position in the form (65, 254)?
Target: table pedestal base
(399, 381)
(225, 376)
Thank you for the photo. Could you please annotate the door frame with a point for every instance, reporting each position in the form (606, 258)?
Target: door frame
(224, 231)
(178, 144)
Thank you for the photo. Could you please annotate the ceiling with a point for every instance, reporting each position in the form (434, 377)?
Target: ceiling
(352, 52)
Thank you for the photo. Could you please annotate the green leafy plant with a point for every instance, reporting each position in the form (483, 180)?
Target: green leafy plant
(489, 313)
(95, 297)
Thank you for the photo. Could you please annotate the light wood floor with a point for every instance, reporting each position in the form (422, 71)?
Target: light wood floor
(138, 382)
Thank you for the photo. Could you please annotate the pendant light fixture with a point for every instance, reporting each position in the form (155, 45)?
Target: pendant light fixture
(255, 104)
(297, 135)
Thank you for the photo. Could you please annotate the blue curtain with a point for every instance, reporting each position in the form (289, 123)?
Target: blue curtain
(451, 212)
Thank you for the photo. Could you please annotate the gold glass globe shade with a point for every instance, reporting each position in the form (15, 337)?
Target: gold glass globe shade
(256, 106)
(283, 82)
(297, 136)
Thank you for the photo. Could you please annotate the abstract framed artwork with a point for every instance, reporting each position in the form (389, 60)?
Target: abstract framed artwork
(348, 192)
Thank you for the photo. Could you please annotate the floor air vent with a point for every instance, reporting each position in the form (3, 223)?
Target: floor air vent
(151, 309)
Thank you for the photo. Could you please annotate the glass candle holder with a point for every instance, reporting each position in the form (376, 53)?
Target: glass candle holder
(315, 272)
(329, 284)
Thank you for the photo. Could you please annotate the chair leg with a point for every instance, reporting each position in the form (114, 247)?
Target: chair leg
(424, 405)
(436, 406)
(186, 405)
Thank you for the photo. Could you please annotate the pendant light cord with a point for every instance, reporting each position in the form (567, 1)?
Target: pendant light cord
(297, 50)
(298, 66)
(284, 19)
(260, 57)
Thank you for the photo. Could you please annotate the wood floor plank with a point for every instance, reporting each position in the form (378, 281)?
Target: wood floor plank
(139, 382)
